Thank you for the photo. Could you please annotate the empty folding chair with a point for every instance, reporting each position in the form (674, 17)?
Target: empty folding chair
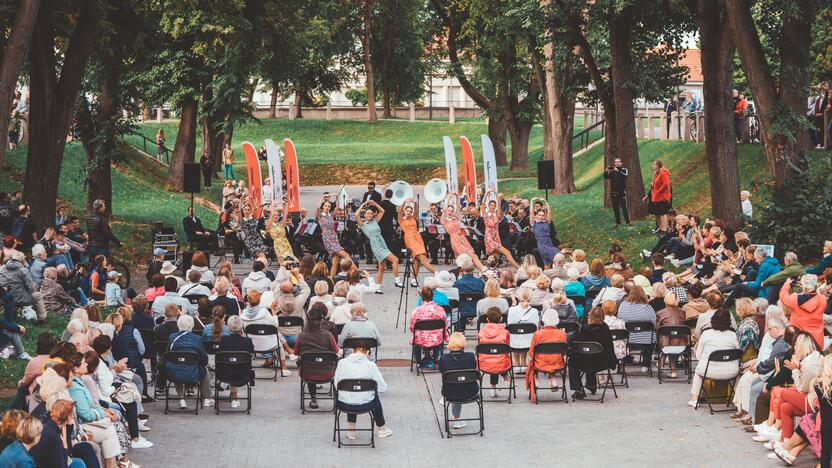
(316, 369)
(494, 360)
(588, 357)
(459, 378)
(620, 335)
(678, 347)
(729, 361)
(233, 368)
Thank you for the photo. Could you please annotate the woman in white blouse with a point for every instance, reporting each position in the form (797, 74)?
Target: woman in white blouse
(522, 313)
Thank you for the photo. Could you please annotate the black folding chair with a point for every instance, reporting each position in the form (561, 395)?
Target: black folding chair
(264, 330)
(233, 368)
(619, 335)
(641, 348)
(188, 358)
(570, 328)
(520, 329)
(354, 385)
(497, 349)
(588, 356)
(554, 348)
(316, 363)
(720, 356)
(159, 349)
(470, 299)
(194, 298)
(148, 337)
(462, 377)
(678, 352)
(349, 343)
(426, 325)
(339, 328)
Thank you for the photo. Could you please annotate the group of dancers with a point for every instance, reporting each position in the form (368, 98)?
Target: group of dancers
(376, 227)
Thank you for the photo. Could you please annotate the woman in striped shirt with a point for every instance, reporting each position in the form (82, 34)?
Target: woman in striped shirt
(634, 308)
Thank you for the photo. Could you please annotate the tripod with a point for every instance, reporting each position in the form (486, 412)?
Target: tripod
(403, 295)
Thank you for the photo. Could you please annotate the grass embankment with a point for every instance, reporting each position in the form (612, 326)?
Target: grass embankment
(385, 151)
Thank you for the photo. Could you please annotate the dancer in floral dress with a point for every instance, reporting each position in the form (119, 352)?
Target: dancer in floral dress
(450, 221)
(329, 233)
(493, 217)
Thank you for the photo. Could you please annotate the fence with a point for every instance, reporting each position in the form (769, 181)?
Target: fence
(142, 142)
(412, 112)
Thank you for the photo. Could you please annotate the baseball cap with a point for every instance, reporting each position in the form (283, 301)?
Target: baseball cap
(159, 251)
(113, 274)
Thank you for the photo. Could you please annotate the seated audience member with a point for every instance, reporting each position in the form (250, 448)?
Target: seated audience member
(258, 314)
(696, 304)
(545, 363)
(256, 280)
(748, 331)
(199, 262)
(703, 320)
(610, 310)
(8, 426)
(322, 295)
(113, 294)
(579, 263)
(140, 318)
(128, 343)
(558, 269)
(541, 293)
(427, 344)
(671, 284)
(670, 316)
(357, 366)
(494, 332)
(27, 435)
(492, 298)
(598, 332)
(162, 331)
(655, 294)
(619, 265)
(55, 298)
(56, 444)
(595, 280)
(467, 284)
(35, 367)
(573, 287)
(360, 326)
(224, 297)
(614, 292)
(157, 287)
(458, 359)
(718, 336)
(523, 312)
(314, 339)
(807, 307)
(286, 303)
(235, 341)
(566, 310)
(171, 296)
(215, 330)
(184, 340)
(634, 308)
(439, 297)
(342, 314)
(194, 286)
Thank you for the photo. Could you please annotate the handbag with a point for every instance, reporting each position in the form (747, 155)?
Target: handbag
(101, 423)
(127, 393)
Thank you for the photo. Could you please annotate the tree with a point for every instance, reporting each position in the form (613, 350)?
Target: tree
(779, 83)
(14, 54)
(398, 46)
(53, 98)
(366, 12)
(717, 52)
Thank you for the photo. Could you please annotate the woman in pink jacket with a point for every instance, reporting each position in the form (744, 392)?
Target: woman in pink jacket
(428, 343)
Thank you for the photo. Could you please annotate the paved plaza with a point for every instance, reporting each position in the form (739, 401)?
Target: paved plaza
(647, 425)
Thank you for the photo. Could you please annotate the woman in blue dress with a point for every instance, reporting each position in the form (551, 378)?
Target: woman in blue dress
(544, 233)
(368, 222)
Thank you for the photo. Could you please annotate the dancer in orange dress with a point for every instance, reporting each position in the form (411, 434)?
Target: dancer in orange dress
(412, 238)
(450, 222)
(493, 216)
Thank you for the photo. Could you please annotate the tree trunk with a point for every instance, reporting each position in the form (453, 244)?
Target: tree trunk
(147, 112)
(99, 170)
(385, 71)
(518, 133)
(720, 139)
(497, 134)
(367, 15)
(557, 125)
(252, 89)
(185, 146)
(14, 54)
(273, 103)
(626, 146)
(298, 103)
(773, 107)
(52, 103)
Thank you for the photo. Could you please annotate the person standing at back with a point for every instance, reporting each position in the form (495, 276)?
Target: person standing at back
(228, 161)
(98, 230)
(617, 175)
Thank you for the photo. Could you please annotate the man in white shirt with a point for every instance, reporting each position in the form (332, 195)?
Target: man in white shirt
(746, 203)
(357, 366)
(193, 286)
(171, 297)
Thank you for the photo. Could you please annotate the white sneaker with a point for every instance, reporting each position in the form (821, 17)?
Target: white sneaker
(493, 393)
(676, 263)
(208, 402)
(292, 357)
(414, 283)
(645, 370)
(182, 404)
(235, 403)
(351, 435)
(766, 436)
(763, 426)
(646, 253)
(386, 432)
(692, 403)
(25, 356)
(459, 424)
(29, 313)
(285, 372)
(399, 283)
(141, 443)
(143, 426)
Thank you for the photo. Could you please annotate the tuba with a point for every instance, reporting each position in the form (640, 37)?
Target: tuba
(436, 190)
(401, 192)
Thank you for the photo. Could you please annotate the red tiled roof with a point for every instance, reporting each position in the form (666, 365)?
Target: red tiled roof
(692, 59)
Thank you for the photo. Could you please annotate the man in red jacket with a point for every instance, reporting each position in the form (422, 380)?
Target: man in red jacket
(740, 106)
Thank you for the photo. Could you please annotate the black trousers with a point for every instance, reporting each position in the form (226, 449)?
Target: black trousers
(619, 203)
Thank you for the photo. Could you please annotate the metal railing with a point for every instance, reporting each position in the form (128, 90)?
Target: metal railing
(163, 157)
(584, 136)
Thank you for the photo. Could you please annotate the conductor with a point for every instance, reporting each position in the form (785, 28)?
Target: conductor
(617, 175)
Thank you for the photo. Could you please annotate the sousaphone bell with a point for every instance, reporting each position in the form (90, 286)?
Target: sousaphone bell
(436, 190)
(401, 192)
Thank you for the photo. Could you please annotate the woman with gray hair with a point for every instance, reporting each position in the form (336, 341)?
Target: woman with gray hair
(359, 326)
(184, 340)
(342, 314)
(237, 342)
(55, 298)
(807, 307)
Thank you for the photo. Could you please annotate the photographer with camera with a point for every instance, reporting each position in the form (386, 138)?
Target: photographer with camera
(617, 175)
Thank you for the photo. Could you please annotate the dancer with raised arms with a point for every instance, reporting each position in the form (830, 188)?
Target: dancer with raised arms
(413, 239)
(369, 215)
(450, 221)
(329, 233)
(544, 232)
(276, 226)
(493, 216)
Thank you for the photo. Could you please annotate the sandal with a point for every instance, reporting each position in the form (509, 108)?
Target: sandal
(739, 414)
(746, 421)
(784, 456)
